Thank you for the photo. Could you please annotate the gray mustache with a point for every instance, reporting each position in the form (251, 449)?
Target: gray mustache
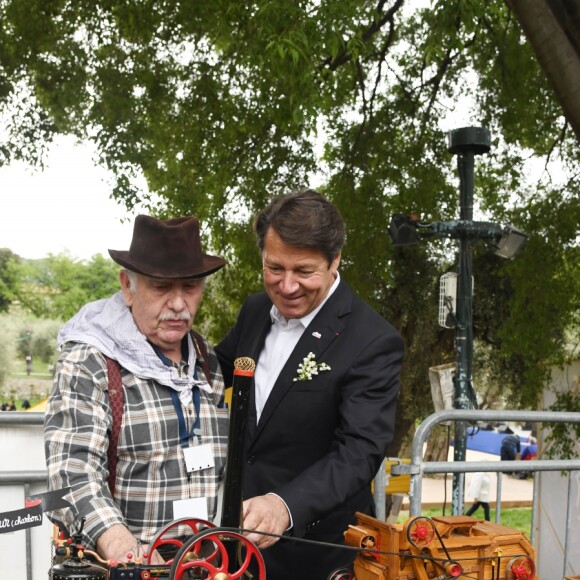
(172, 315)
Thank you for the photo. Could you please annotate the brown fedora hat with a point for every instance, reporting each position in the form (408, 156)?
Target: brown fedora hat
(167, 249)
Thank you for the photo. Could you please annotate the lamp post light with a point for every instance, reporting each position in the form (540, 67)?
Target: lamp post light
(466, 143)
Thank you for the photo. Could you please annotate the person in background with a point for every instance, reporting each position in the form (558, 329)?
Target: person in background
(510, 449)
(323, 407)
(172, 386)
(530, 451)
(479, 491)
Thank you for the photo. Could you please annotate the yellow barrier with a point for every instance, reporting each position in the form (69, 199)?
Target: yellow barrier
(397, 483)
(228, 397)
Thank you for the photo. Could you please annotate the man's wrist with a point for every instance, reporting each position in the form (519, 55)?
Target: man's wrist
(291, 524)
(116, 543)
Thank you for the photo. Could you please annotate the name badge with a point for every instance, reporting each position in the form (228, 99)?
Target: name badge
(198, 457)
(190, 508)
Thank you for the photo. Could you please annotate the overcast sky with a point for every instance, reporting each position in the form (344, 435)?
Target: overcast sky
(65, 208)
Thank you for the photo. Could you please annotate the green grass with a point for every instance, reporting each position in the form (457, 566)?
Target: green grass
(517, 518)
(18, 385)
(39, 370)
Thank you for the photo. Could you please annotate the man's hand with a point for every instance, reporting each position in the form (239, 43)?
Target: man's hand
(118, 542)
(265, 513)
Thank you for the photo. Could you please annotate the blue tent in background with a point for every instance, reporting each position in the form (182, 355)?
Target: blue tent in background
(488, 441)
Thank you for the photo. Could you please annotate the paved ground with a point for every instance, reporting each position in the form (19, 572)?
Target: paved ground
(514, 492)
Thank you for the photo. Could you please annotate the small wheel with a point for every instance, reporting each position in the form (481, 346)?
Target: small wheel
(420, 532)
(342, 574)
(229, 554)
(161, 538)
(453, 569)
(520, 568)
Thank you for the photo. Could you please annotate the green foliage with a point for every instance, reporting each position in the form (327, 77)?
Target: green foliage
(57, 286)
(562, 441)
(44, 340)
(223, 105)
(6, 352)
(24, 341)
(8, 277)
(31, 335)
(11, 331)
(24, 334)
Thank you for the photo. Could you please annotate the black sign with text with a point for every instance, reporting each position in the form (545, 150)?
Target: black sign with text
(31, 515)
(20, 519)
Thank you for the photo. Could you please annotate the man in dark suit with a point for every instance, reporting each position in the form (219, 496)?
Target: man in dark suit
(323, 408)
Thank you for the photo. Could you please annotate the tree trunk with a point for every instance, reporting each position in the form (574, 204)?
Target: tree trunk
(552, 28)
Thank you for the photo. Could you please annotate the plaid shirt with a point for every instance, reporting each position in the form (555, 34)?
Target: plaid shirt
(151, 472)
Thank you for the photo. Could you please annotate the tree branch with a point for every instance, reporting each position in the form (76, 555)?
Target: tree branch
(345, 56)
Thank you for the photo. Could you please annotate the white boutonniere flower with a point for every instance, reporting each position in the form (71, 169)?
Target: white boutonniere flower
(309, 367)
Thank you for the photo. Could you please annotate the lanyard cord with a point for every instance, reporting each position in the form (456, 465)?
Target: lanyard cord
(184, 434)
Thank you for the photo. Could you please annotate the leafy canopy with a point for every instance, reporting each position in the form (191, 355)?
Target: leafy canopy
(223, 104)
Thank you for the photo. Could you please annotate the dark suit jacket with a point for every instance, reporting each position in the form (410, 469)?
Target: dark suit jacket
(320, 442)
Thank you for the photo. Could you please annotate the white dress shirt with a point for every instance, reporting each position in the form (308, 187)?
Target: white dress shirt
(280, 342)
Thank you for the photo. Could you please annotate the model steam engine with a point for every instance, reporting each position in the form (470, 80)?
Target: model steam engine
(207, 552)
(421, 549)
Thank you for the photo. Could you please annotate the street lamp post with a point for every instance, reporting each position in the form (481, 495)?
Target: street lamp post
(465, 143)
(507, 241)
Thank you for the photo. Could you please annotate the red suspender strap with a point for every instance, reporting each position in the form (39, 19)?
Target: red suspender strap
(202, 350)
(116, 402)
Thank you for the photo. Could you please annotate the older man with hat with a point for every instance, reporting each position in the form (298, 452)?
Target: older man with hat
(135, 424)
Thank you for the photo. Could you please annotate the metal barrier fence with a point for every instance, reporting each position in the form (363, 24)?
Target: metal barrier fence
(27, 479)
(417, 468)
(26, 476)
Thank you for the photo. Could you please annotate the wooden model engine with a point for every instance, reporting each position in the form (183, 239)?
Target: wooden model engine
(441, 547)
